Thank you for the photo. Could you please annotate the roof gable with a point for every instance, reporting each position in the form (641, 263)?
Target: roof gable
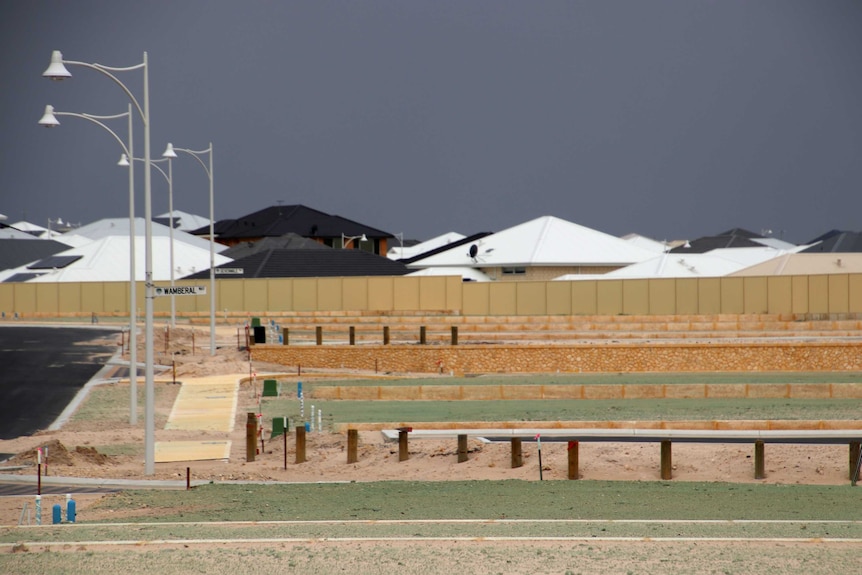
(297, 219)
(544, 241)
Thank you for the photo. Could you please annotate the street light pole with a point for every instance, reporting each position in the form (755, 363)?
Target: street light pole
(170, 177)
(49, 120)
(171, 152)
(57, 71)
(124, 161)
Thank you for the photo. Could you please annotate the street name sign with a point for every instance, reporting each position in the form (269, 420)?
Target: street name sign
(181, 290)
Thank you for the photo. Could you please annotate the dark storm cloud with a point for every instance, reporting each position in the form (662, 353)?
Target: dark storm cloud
(668, 118)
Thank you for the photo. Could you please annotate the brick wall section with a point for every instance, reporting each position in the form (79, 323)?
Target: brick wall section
(536, 358)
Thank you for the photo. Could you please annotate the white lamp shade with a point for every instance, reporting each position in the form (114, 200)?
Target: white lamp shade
(48, 119)
(56, 69)
(169, 151)
(124, 160)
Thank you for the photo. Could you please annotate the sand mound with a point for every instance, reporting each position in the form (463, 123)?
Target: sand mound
(55, 453)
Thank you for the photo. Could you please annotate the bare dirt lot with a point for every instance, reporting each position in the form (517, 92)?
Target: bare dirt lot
(104, 445)
(110, 448)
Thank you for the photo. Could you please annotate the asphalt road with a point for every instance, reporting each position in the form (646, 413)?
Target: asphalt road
(43, 368)
(28, 489)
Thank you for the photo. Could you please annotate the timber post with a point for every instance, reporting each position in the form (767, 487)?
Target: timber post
(517, 453)
(573, 460)
(352, 445)
(462, 448)
(300, 444)
(759, 460)
(403, 450)
(666, 460)
(250, 436)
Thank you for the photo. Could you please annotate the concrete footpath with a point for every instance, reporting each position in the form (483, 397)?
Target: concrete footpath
(202, 404)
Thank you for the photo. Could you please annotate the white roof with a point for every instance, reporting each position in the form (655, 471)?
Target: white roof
(806, 264)
(28, 231)
(774, 243)
(120, 227)
(26, 226)
(544, 241)
(107, 259)
(715, 263)
(186, 221)
(70, 239)
(396, 252)
(669, 265)
(38, 231)
(470, 274)
(646, 243)
(15, 234)
(752, 256)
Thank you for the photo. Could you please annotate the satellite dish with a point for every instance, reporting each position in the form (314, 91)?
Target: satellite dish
(474, 249)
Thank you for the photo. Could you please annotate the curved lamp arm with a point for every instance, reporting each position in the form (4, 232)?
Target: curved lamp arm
(124, 161)
(57, 71)
(170, 152)
(49, 120)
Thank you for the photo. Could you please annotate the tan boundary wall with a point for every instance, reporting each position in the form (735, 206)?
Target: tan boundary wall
(780, 356)
(814, 294)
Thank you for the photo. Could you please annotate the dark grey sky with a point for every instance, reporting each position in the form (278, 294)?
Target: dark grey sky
(673, 119)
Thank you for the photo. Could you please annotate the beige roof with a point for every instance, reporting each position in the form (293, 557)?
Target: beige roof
(806, 264)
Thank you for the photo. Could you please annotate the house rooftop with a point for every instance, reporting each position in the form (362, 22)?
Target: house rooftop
(288, 263)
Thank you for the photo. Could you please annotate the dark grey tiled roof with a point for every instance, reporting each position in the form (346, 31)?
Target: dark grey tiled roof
(709, 243)
(20, 277)
(836, 242)
(287, 241)
(741, 232)
(53, 262)
(298, 219)
(14, 253)
(287, 263)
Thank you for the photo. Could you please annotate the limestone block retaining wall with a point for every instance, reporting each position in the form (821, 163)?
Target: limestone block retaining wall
(639, 391)
(719, 424)
(537, 358)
